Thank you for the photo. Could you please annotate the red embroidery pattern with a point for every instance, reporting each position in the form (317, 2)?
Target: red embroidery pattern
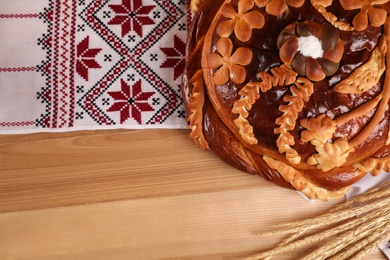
(65, 46)
(131, 15)
(132, 58)
(60, 67)
(94, 47)
(21, 69)
(131, 102)
(175, 57)
(72, 63)
(55, 66)
(8, 124)
(86, 58)
(19, 16)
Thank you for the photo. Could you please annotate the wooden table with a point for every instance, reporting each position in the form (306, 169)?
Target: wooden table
(147, 194)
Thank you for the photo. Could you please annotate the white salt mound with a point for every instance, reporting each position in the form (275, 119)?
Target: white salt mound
(310, 46)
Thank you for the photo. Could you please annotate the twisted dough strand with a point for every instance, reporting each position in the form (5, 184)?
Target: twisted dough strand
(250, 93)
(301, 93)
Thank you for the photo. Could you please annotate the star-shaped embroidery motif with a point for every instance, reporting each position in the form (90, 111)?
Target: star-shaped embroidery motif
(131, 101)
(175, 57)
(131, 15)
(86, 58)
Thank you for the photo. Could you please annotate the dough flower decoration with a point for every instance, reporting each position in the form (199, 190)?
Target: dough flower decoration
(278, 7)
(241, 22)
(311, 49)
(319, 130)
(368, 13)
(229, 64)
(331, 155)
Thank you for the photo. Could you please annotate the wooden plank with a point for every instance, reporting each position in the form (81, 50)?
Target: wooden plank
(149, 194)
(84, 169)
(213, 224)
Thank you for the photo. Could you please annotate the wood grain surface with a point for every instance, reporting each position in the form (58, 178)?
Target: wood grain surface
(127, 194)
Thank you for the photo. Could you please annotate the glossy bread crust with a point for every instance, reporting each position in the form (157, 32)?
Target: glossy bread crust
(316, 120)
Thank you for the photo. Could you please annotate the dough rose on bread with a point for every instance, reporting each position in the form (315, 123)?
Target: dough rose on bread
(295, 91)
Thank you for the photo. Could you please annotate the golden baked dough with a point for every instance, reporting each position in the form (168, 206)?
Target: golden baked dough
(295, 91)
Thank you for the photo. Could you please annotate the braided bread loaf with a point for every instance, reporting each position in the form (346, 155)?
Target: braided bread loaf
(295, 91)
